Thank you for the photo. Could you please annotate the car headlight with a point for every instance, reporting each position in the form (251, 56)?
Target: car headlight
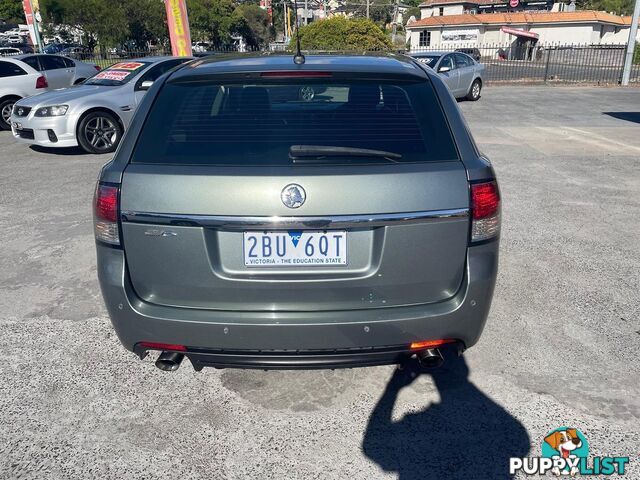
(52, 111)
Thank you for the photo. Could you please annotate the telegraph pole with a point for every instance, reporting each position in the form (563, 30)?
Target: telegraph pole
(631, 44)
(367, 8)
(306, 18)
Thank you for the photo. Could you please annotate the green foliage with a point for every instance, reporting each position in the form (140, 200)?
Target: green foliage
(140, 22)
(415, 11)
(255, 28)
(619, 7)
(636, 54)
(340, 33)
(11, 11)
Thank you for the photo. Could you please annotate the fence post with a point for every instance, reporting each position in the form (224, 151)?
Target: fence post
(546, 67)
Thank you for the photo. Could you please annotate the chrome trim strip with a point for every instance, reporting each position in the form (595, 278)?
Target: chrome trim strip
(278, 223)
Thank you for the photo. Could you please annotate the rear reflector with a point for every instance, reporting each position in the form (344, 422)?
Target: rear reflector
(41, 82)
(296, 74)
(485, 211)
(163, 346)
(431, 343)
(105, 214)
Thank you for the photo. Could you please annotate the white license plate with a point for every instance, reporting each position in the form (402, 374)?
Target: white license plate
(295, 248)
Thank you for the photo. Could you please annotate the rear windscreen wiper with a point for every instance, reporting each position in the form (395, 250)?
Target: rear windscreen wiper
(311, 153)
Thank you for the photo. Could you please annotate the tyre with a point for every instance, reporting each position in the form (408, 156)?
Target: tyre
(474, 90)
(99, 132)
(6, 106)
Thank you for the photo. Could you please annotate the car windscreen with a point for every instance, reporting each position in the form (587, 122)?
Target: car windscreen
(296, 122)
(429, 60)
(117, 74)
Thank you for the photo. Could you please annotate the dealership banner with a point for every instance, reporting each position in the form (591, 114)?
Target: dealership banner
(31, 8)
(178, 24)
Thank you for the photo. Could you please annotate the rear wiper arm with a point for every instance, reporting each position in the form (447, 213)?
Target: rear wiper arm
(310, 153)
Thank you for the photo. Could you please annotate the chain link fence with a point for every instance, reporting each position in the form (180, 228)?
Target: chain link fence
(553, 63)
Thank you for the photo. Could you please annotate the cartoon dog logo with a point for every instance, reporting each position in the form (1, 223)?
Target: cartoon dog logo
(565, 442)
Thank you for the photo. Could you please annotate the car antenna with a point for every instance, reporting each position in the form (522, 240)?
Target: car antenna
(298, 57)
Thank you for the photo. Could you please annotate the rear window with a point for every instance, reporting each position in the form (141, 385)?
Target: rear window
(295, 123)
(8, 69)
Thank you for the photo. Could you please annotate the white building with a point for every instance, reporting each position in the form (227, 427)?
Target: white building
(527, 26)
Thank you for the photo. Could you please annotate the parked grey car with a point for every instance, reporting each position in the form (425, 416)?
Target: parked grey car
(461, 73)
(242, 227)
(93, 115)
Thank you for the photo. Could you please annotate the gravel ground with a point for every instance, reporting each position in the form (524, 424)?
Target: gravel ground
(560, 348)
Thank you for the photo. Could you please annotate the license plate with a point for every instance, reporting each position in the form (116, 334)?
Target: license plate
(295, 248)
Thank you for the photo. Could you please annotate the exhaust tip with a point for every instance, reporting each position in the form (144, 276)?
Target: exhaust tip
(169, 361)
(430, 358)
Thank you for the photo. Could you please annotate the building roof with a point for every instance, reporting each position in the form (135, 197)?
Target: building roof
(533, 17)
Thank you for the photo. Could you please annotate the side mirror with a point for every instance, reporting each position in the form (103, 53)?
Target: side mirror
(444, 69)
(146, 85)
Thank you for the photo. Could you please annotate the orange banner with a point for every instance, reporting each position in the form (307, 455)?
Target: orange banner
(178, 27)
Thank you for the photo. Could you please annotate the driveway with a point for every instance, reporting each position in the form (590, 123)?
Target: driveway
(560, 347)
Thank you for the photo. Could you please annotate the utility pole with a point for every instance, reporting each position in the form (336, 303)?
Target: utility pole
(395, 20)
(306, 15)
(367, 8)
(631, 44)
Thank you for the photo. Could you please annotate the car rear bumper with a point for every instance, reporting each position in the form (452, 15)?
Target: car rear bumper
(272, 339)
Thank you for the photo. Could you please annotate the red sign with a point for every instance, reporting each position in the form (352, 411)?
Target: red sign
(514, 3)
(178, 27)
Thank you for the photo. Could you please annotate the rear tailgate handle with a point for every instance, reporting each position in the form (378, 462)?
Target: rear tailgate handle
(286, 222)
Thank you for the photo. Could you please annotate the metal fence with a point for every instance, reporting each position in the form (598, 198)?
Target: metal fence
(595, 64)
(552, 63)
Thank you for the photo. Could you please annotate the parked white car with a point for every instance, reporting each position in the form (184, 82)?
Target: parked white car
(25, 75)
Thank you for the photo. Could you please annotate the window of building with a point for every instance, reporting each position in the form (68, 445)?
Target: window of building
(441, 11)
(425, 39)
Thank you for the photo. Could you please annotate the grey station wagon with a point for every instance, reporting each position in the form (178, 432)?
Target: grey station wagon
(265, 214)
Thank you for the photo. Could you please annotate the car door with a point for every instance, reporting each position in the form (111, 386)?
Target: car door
(466, 70)
(57, 71)
(71, 67)
(448, 72)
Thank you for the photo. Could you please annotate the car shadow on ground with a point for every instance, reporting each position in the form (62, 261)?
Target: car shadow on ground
(464, 436)
(628, 116)
(66, 151)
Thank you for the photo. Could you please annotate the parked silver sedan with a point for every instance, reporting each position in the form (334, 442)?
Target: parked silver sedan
(94, 114)
(461, 73)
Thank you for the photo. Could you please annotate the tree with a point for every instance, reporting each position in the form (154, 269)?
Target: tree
(99, 20)
(340, 33)
(255, 29)
(413, 11)
(619, 7)
(11, 11)
(213, 20)
(146, 22)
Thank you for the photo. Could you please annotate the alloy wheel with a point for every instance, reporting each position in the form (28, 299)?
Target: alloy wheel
(101, 133)
(6, 112)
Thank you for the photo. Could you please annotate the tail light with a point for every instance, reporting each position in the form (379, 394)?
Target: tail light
(41, 82)
(97, 67)
(105, 214)
(485, 211)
